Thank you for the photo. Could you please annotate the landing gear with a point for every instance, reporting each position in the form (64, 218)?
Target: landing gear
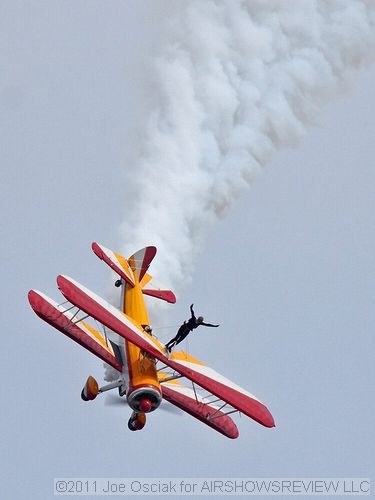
(83, 397)
(136, 421)
(90, 389)
(118, 283)
(122, 390)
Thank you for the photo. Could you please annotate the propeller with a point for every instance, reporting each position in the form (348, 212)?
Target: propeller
(112, 400)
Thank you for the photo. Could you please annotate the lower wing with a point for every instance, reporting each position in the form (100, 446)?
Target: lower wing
(189, 401)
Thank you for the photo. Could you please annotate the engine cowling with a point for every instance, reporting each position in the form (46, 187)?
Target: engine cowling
(144, 399)
(90, 389)
(137, 421)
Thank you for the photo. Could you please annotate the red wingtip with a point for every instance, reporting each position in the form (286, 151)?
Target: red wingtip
(32, 296)
(268, 420)
(61, 281)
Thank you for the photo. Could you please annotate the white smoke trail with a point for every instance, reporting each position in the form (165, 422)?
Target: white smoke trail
(236, 81)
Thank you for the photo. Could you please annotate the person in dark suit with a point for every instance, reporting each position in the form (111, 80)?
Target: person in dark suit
(186, 328)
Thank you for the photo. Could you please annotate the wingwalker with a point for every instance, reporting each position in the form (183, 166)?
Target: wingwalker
(147, 372)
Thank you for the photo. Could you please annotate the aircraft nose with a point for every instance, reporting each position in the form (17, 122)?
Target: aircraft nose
(145, 405)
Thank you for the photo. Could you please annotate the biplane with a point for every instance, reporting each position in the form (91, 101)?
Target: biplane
(146, 372)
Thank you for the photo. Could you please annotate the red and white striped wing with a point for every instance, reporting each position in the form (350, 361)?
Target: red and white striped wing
(220, 386)
(108, 315)
(189, 367)
(82, 333)
(189, 401)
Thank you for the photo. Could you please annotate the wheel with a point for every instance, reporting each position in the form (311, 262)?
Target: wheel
(83, 396)
(118, 283)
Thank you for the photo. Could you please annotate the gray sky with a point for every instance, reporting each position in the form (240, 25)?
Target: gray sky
(289, 273)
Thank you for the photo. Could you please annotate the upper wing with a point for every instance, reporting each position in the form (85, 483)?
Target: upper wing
(81, 332)
(97, 307)
(188, 367)
(191, 402)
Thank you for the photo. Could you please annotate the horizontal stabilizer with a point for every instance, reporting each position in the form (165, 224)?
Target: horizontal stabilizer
(82, 333)
(115, 261)
(188, 400)
(187, 366)
(152, 288)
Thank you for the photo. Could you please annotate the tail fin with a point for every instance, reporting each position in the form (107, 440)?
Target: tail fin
(141, 260)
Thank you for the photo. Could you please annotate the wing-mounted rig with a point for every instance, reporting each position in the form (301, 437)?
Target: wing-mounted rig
(147, 373)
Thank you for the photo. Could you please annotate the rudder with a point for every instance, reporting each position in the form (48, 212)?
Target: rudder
(141, 260)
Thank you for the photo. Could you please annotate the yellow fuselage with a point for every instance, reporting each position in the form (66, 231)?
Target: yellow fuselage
(142, 371)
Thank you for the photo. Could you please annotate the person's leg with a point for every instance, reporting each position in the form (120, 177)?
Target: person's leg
(172, 341)
(182, 336)
(175, 340)
(169, 347)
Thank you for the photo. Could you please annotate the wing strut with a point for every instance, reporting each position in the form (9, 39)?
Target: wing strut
(81, 319)
(212, 417)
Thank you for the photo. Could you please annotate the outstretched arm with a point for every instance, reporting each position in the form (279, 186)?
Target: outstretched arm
(192, 311)
(209, 324)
